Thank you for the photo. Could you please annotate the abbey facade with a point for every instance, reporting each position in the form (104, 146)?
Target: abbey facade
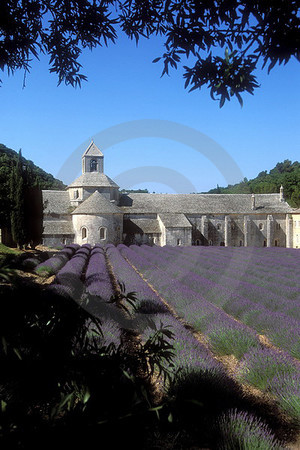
(92, 210)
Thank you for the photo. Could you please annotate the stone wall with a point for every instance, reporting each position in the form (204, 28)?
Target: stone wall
(178, 236)
(113, 224)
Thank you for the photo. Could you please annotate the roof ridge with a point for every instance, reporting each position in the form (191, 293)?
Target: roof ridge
(93, 146)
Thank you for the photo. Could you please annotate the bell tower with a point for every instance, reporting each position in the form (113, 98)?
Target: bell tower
(92, 159)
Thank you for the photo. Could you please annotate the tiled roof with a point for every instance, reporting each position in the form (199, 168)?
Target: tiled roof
(147, 226)
(202, 204)
(97, 204)
(53, 227)
(92, 150)
(93, 179)
(56, 202)
(175, 220)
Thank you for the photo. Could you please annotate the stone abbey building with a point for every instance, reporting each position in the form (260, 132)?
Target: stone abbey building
(92, 210)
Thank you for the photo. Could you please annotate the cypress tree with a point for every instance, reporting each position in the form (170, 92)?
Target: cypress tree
(17, 217)
(33, 212)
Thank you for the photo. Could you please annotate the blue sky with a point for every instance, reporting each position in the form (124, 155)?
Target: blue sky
(50, 123)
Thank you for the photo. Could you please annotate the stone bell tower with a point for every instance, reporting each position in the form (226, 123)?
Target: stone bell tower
(92, 159)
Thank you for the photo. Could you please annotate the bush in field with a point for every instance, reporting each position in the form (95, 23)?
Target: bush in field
(243, 431)
(260, 366)
(287, 390)
(232, 341)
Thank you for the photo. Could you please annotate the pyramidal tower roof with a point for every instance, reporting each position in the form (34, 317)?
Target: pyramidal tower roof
(92, 150)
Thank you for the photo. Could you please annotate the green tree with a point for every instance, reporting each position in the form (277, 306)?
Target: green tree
(295, 198)
(250, 32)
(26, 206)
(284, 173)
(33, 213)
(17, 197)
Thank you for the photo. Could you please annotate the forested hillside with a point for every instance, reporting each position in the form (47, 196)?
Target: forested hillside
(34, 179)
(9, 157)
(284, 173)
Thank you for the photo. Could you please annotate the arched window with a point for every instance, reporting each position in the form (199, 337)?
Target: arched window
(261, 226)
(83, 233)
(222, 244)
(241, 243)
(265, 243)
(93, 165)
(276, 243)
(75, 194)
(210, 242)
(197, 241)
(178, 241)
(218, 226)
(102, 233)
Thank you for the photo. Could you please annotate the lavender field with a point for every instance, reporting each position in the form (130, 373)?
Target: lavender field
(234, 313)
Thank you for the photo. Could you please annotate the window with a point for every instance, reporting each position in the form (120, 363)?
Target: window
(218, 226)
(261, 226)
(75, 194)
(241, 243)
(278, 226)
(93, 165)
(178, 241)
(276, 243)
(222, 244)
(64, 241)
(210, 242)
(265, 243)
(84, 233)
(102, 233)
(197, 241)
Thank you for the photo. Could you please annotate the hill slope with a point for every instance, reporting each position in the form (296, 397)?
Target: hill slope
(284, 173)
(8, 159)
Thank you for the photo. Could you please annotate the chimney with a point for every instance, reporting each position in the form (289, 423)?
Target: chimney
(252, 201)
(281, 197)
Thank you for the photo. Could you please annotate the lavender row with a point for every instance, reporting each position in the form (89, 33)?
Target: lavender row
(219, 258)
(189, 354)
(260, 367)
(281, 329)
(205, 317)
(72, 271)
(274, 373)
(230, 275)
(147, 301)
(235, 268)
(97, 279)
(53, 264)
(251, 259)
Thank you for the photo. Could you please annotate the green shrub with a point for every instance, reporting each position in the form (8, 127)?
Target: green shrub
(44, 271)
(230, 341)
(260, 366)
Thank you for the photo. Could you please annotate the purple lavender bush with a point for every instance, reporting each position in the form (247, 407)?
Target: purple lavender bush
(52, 265)
(259, 366)
(242, 430)
(287, 390)
(97, 279)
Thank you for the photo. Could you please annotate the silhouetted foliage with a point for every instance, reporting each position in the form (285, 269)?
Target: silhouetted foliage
(250, 32)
